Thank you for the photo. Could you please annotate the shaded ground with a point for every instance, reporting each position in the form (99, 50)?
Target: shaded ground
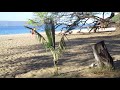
(21, 60)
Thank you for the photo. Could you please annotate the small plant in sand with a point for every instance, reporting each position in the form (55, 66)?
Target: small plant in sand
(49, 43)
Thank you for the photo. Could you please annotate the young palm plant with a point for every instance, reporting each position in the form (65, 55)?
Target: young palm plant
(49, 43)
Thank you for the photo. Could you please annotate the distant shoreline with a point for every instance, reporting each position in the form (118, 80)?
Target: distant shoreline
(57, 32)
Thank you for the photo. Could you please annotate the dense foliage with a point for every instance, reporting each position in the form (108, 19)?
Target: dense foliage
(116, 18)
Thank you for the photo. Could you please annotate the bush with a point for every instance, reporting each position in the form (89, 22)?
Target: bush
(116, 18)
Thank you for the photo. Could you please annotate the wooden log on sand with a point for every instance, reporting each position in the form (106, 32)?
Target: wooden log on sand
(102, 55)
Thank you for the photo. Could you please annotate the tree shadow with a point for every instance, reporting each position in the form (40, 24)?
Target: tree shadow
(81, 55)
(117, 64)
(112, 43)
(27, 64)
(38, 48)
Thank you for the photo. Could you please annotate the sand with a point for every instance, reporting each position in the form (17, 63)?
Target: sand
(23, 56)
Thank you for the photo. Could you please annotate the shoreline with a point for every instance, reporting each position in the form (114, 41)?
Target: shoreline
(75, 31)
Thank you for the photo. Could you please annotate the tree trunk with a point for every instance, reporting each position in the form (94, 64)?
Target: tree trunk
(102, 56)
(53, 32)
(103, 14)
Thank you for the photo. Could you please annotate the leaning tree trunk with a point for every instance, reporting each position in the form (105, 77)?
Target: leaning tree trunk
(102, 56)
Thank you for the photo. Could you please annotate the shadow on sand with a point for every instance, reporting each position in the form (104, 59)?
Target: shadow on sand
(81, 56)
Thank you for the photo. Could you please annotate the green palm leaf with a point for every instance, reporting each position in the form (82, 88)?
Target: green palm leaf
(61, 46)
(50, 42)
(41, 39)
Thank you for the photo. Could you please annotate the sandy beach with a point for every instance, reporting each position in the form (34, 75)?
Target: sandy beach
(23, 56)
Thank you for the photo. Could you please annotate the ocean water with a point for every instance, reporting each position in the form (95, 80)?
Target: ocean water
(6, 30)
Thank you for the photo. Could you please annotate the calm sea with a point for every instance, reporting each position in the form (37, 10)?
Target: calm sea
(6, 30)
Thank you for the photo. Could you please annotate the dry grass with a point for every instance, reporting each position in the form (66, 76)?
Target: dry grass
(102, 73)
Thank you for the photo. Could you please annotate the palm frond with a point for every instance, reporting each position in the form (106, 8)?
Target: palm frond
(49, 44)
(28, 27)
(61, 48)
(58, 51)
(41, 39)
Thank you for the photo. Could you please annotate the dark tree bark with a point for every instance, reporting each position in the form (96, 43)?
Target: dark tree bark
(95, 27)
(53, 32)
(102, 55)
(103, 14)
(102, 23)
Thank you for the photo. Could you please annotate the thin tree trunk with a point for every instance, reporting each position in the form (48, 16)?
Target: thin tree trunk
(102, 56)
(103, 14)
(53, 32)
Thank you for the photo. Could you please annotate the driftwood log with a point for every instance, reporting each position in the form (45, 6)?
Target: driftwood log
(102, 55)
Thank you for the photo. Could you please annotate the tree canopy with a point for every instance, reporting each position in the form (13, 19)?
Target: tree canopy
(116, 18)
(71, 20)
